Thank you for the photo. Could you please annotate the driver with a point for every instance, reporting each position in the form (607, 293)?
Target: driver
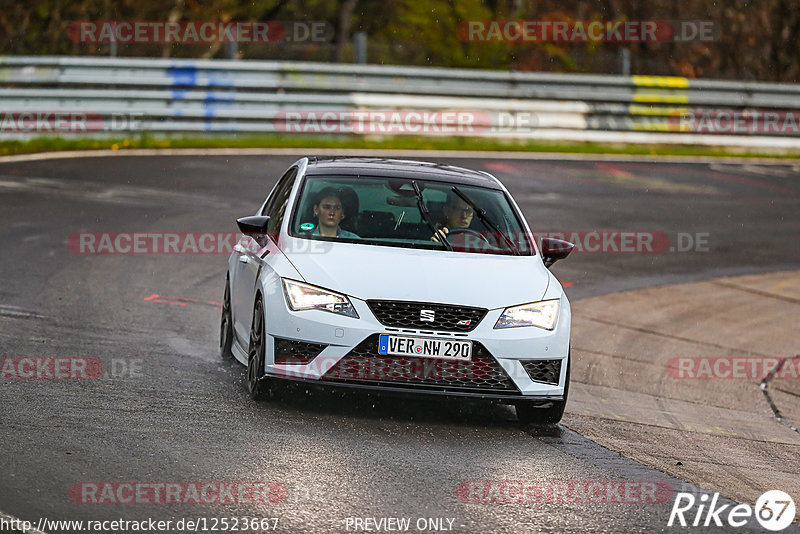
(457, 214)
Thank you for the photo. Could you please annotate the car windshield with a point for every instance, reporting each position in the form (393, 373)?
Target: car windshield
(386, 212)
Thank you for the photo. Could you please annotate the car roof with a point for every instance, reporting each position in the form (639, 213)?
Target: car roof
(399, 168)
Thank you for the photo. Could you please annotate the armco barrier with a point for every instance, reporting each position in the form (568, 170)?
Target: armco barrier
(173, 96)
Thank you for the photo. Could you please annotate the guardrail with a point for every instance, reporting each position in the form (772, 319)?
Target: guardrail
(109, 95)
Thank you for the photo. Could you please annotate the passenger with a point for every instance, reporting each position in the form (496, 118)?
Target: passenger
(457, 214)
(329, 213)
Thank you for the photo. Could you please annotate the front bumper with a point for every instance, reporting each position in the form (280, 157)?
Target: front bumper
(516, 363)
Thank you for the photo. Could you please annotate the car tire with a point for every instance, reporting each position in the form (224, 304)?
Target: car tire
(226, 324)
(257, 383)
(535, 412)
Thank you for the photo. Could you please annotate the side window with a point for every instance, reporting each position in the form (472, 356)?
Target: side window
(276, 207)
(287, 176)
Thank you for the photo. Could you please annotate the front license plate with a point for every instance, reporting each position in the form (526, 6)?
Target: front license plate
(424, 347)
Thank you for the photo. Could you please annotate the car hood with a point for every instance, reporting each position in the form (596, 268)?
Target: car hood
(377, 272)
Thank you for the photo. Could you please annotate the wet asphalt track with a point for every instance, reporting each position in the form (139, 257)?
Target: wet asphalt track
(184, 415)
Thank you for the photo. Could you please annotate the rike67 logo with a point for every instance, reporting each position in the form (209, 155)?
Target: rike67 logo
(774, 511)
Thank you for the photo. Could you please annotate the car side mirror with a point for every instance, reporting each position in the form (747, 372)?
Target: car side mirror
(255, 224)
(554, 250)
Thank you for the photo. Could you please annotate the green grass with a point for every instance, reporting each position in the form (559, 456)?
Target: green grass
(400, 142)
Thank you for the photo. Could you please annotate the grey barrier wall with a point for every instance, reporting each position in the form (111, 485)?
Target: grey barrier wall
(77, 95)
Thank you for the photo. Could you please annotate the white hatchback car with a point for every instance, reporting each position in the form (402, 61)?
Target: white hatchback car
(398, 276)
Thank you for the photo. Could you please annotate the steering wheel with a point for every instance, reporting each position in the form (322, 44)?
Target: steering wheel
(467, 231)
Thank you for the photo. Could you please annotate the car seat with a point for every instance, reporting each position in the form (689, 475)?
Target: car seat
(350, 203)
(376, 224)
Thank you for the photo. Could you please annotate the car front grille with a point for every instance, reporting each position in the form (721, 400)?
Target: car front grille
(546, 371)
(363, 364)
(404, 314)
(291, 352)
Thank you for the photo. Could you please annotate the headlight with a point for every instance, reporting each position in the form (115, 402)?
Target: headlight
(542, 314)
(302, 296)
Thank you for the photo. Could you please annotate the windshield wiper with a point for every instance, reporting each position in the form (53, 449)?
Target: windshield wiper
(424, 212)
(481, 213)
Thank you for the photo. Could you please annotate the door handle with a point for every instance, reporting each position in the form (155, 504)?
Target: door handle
(244, 259)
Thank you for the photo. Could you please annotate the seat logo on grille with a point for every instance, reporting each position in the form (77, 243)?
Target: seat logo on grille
(427, 316)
